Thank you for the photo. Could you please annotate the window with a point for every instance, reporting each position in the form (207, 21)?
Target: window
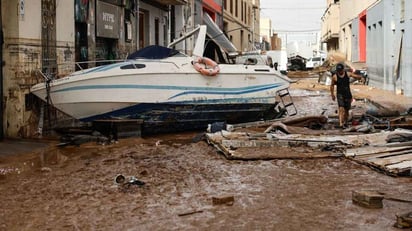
(241, 11)
(132, 66)
(236, 7)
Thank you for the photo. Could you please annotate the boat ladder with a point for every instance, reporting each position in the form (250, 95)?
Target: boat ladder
(287, 102)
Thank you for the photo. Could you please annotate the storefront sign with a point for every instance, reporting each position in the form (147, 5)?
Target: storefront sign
(108, 20)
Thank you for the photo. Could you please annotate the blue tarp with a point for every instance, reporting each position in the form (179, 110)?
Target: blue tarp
(153, 52)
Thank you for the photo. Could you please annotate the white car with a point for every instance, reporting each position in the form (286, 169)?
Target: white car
(314, 62)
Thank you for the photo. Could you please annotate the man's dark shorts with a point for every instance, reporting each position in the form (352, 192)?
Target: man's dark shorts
(344, 102)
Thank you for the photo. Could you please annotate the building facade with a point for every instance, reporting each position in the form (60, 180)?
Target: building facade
(45, 38)
(377, 33)
(330, 25)
(241, 23)
(352, 36)
(389, 46)
(50, 39)
(35, 40)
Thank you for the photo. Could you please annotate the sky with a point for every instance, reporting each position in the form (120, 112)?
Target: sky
(294, 19)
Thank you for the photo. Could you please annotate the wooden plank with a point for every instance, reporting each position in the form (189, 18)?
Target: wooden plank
(270, 153)
(395, 144)
(402, 165)
(400, 169)
(368, 150)
(391, 160)
(263, 150)
(275, 143)
(383, 155)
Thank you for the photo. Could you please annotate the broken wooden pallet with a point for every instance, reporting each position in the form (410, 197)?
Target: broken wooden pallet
(393, 160)
(246, 146)
(368, 149)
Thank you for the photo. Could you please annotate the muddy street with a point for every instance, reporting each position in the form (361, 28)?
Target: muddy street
(73, 188)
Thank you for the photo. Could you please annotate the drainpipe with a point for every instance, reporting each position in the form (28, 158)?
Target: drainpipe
(1, 76)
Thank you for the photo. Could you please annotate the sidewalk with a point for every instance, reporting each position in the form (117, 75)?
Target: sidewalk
(21, 146)
(385, 98)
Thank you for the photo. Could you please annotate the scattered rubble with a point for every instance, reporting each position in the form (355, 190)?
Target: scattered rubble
(225, 200)
(404, 221)
(368, 199)
(311, 137)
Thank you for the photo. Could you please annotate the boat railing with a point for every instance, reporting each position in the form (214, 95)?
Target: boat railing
(46, 75)
(95, 63)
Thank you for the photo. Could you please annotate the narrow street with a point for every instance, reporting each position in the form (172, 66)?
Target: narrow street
(73, 188)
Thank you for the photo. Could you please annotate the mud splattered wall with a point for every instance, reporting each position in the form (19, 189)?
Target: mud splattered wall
(24, 55)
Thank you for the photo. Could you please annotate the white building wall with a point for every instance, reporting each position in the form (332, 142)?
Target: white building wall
(389, 49)
(151, 13)
(65, 36)
(265, 29)
(350, 9)
(353, 28)
(30, 19)
(377, 44)
(184, 22)
(405, 83)
(349, 28)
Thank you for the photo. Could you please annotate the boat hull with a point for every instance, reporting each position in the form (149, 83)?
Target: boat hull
(183, 117)
(167, 93)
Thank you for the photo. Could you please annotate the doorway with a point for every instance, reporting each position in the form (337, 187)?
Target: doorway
(81, 54)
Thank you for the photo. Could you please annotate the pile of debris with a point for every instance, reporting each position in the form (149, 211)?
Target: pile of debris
(389, 151)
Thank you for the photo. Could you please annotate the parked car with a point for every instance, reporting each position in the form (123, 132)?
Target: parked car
(314, 62)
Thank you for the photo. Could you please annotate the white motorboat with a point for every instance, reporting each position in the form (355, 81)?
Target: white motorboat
(176, 92)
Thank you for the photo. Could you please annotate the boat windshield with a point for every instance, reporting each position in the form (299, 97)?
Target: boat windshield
(155, 52)
(254, 59)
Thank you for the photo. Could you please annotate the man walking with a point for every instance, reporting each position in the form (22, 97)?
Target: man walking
(343, 93)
